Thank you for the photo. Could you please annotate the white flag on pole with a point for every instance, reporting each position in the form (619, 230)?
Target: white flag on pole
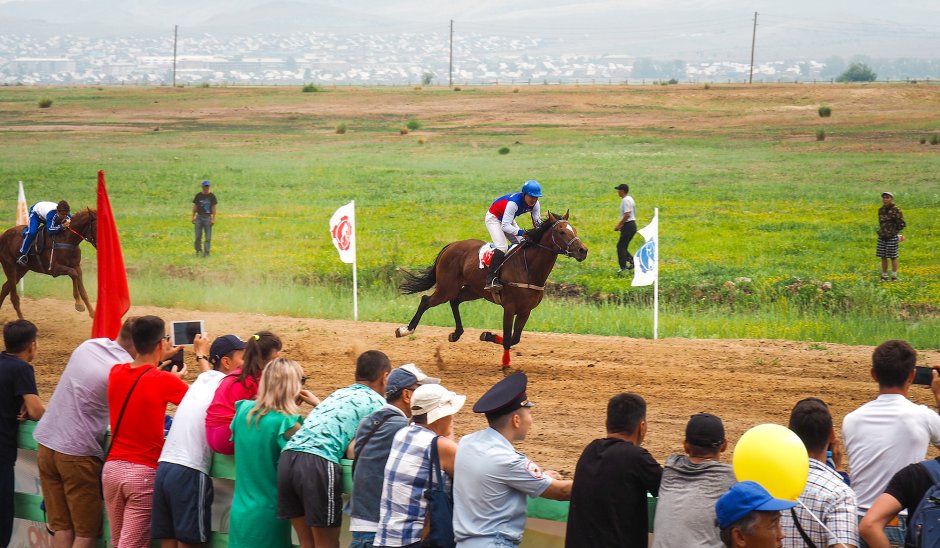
(343, 231)
(646, 260)
(22, 211)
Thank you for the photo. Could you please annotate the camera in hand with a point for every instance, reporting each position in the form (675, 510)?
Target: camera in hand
(924, 375)
(176, 360)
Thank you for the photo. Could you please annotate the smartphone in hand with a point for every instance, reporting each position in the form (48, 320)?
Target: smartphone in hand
(923, 375)
(176, 360)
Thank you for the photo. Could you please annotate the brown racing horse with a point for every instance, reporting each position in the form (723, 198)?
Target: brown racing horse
(457, 274)
(60, 255)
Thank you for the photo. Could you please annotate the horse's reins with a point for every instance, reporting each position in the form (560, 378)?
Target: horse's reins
(557, 250)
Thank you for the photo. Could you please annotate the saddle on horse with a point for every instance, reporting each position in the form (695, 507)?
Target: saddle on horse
(35, 248)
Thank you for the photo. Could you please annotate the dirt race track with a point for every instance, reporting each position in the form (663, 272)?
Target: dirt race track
(746, 382)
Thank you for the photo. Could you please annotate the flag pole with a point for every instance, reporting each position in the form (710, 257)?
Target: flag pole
(355, 282)
(656, 278)
(21, 211)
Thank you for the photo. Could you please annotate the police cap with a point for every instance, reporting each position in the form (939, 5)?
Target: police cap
(505, 397)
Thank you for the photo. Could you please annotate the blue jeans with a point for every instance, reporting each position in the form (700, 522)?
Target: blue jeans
(203, 224)
(362, 539)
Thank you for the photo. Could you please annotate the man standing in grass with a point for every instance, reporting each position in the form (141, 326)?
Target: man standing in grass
(890, 224)
(626, 227)
(204, 205)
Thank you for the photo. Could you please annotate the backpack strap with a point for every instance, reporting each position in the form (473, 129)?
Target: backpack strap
(435, 467)
(365, 440)
(809, 542)
(933, 468)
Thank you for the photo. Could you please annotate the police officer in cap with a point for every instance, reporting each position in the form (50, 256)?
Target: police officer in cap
(492, 479)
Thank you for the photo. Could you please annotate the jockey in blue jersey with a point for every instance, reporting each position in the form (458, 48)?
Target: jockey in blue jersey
(501, 223)
(56, 218)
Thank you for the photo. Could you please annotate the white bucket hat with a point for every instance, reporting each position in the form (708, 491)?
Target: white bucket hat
(436, 402)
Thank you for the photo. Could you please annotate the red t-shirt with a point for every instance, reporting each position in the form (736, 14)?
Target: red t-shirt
(222, 409)
(140, 438)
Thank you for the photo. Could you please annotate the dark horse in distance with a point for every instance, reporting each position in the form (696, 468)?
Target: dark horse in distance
(57, 255)
(457, 274)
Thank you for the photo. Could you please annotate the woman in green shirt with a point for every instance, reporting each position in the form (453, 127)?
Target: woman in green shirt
(260, 429)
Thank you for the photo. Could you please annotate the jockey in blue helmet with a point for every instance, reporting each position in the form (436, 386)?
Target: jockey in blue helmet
(55, 217)
(500, 221)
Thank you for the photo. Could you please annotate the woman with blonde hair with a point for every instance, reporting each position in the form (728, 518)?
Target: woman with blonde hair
(260, 430)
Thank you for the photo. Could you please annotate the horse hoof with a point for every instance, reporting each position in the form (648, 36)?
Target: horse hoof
(79, 307)
(454, 337)
(402, 331)
(486, 336)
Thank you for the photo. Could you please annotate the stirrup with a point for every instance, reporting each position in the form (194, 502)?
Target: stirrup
(493, 284)
(22, 260)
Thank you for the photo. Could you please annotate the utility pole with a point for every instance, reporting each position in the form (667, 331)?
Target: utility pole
(176, 29)
(450, 77)
(750, 78)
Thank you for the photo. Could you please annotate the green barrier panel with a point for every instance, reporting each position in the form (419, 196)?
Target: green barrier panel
(556, 510)
(25, 439)
(223, 466)
(552, 510)
(27, 507)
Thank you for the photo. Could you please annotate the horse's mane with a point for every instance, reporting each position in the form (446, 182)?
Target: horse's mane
(535, 234)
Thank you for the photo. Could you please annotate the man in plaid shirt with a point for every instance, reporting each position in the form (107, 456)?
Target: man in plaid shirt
(826, 495)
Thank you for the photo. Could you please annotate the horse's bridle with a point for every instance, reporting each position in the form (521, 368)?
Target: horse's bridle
(558, 249)
(82, 236)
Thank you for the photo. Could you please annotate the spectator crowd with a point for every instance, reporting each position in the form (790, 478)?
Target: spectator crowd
(414, 484)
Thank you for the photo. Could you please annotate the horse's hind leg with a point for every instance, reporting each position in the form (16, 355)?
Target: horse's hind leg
(427, 301)
(458, 325)
(9, 288)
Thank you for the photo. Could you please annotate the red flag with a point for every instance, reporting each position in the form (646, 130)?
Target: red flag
(114, 299)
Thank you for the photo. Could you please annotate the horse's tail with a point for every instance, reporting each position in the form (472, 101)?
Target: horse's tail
(424, 280)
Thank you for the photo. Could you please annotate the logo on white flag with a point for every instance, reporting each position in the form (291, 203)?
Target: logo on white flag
(647, 257)
(343, 232)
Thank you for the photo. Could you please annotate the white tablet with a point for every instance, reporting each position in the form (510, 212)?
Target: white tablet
(185, 332)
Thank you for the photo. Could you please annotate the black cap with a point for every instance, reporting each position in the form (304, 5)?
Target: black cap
(705, 430)
(505, 397)
(223, 346)
(622, 187)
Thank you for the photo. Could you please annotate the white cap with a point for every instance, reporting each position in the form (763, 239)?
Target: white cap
(888, 193)
(436, 402)
(422, 378)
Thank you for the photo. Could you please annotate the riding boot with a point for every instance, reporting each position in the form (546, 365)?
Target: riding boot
(492, 281)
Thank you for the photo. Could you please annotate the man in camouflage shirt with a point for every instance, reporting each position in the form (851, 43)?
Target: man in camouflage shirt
(890, 224)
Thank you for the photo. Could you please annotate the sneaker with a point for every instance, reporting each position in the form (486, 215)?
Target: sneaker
(884, 277)
(894, 278)
(22, 260)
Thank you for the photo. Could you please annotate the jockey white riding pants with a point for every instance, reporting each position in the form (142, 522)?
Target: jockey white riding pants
(495, 227)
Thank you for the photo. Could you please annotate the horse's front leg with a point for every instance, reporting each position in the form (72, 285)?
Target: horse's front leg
(78, 290)
(508, 316)
(9, 288)
(521, 319)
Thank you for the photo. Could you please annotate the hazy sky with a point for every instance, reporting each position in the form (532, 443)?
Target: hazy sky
(672, 28)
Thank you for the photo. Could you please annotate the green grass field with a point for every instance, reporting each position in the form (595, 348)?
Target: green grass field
(743, 189)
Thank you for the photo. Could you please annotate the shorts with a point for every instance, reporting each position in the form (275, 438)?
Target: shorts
(310, 486)
(182, 504)
(887, 248)
(71, 488)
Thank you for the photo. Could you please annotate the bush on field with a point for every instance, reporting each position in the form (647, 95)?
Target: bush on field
(820, 135)
(341, 128)
(923, 140)
(45, 103)
(311, 88)
(427, 78)
(935, 139)
(673, 81)
(504, 150)
(857, 72)
(403, 131)
(707, 86)
(456, 88)
(413, 124)
(204, 85)
(824, 111)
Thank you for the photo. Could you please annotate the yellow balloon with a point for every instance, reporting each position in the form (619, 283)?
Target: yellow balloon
(774, 457)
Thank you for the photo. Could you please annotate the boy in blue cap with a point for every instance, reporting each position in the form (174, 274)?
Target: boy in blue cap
(749, 516)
